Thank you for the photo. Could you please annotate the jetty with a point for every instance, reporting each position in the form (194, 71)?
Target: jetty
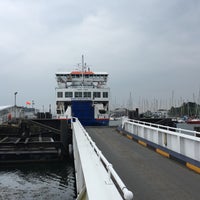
(34, 141)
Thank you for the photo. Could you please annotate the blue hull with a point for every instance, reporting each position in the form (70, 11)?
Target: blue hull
(84, 111)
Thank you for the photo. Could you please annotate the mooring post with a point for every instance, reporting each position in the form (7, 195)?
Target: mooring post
(64, 137)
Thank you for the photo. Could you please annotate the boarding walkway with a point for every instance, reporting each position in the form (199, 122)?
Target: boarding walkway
(95, 176)
(145, 172)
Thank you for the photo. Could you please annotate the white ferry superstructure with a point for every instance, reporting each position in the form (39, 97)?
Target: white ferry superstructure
(83, 94)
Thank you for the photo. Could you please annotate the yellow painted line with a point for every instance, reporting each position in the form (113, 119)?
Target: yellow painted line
(142, 143)
(129, 137)
(163, 153)
(193, 167)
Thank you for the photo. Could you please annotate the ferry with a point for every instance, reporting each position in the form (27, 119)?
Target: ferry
(84, 94)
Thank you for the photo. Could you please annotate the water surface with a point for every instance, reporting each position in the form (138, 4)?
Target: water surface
(37, 181)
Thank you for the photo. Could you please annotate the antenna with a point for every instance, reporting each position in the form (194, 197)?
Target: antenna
(83, 68)
(82, 63)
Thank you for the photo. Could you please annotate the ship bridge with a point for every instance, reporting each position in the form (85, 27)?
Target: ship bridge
(85, 78)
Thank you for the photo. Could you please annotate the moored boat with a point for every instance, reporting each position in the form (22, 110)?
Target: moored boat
(193, 121)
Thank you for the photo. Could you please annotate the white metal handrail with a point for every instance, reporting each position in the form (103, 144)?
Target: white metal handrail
(178, 142)
(127, 194)
(179, 130)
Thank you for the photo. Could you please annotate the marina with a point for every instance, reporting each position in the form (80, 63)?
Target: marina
(61, 157)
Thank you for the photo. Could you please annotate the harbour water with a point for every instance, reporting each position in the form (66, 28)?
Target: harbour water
(115, 122)
(37, 181)
(41, 181)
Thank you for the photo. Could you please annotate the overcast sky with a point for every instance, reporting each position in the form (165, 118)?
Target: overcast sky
(150, 48)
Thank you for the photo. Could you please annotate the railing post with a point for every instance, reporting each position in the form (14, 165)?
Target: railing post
(178, 144)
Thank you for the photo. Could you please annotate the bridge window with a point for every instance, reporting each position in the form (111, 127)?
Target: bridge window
(68, 94)
(78, 94)
(87, 94)
(97, 95)
(59, 94)
(105, 94)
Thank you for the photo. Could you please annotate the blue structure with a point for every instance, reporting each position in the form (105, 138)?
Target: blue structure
(84, 111)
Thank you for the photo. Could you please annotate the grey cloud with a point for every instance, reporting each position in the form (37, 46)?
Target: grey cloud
(149, 47)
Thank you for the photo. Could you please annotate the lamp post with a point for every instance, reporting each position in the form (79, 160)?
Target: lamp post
(15, 104)
(15, 98)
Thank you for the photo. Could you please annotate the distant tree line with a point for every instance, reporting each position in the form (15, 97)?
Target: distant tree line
(189, 109)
